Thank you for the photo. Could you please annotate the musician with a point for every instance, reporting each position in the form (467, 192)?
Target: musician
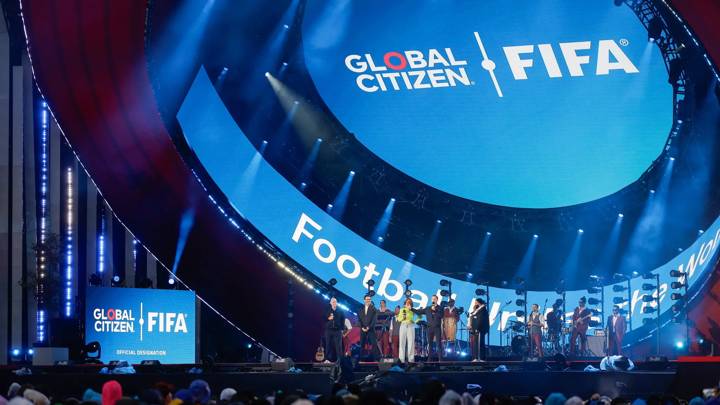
(382, 328)
(367, 317)
(536, 323)
(395, 333)
(581, 322)
(450, 318)
(554, 324)
(334, 325)
(434, 315)
(406, 318)
(479, 327)
(615, 329)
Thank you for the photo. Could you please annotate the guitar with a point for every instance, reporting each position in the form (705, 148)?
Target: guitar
(320, 354)
(580, 322)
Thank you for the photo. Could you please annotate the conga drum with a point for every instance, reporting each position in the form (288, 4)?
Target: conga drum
(450, 328)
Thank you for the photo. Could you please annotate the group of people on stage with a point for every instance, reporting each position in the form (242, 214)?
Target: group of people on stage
(615, 329)
(392, 333)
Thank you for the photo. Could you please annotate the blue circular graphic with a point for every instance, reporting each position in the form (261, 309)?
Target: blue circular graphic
(551, 104)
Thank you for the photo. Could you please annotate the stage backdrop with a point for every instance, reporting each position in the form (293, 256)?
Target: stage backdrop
(142, 324)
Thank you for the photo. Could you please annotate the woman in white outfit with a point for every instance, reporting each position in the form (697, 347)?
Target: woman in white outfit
(406, 318)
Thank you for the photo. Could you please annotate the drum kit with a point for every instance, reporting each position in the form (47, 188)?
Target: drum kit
(516, 341)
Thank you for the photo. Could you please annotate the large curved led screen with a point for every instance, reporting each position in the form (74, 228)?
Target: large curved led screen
(551, 147)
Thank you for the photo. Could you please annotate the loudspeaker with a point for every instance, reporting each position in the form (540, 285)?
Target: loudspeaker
(596, 345)
(534, 364)
(385, 364)
(282, 364)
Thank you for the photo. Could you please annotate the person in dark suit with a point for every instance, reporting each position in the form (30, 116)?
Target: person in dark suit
(615, 329)
(367, 318)
(334, 325)
(434, 316)
(479, 328)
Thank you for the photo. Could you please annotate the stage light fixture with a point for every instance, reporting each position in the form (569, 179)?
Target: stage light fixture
(444, 283)
(408, 283)
(581, 230)
(621, 215)
(618, 3)
(332, 282)
(654, 29)
(648, 298)
(618, 300)
(171, 281)
(619, 288)
(408, 293)
(620, 276)
(560, 291)
(535, 236)
(116, 281)
(595, 312)
(676, 284)
(677, 273)
(519, 313)
(480, 292)
(371, 293)
(648, 287)
(593, 301)
(520, 302)
(95, 280)
(676, 296)
(559, 302)
(145, 283)
(520, 292)
(648, 310)
(648, 276)
(594, 290)
(679, 344)
(445, 293)
(370, 283)
(488, 233)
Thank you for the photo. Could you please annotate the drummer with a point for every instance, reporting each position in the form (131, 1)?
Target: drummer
(451, 315)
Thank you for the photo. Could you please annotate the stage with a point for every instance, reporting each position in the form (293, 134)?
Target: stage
(684, 378)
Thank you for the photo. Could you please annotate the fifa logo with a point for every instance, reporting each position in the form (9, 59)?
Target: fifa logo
(441, 68)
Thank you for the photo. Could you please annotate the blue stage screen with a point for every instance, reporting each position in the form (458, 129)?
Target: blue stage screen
(322, 244)
(142, 324)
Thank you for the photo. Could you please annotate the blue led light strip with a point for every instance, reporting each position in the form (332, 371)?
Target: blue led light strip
(43, 223)
(68, 298)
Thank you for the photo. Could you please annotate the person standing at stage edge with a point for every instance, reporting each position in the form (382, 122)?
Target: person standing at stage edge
(434, 315)
(382, 329)
(615, 330)
(334, 324)
(479, 327)
(367, 318)
(406, 317)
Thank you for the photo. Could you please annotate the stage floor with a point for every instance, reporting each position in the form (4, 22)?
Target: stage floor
(683, 378)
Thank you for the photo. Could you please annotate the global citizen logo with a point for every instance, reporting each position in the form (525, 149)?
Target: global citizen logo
(437, 68)
(116, 320)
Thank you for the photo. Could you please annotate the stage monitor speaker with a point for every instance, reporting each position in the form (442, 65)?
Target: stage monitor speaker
(534, 364)
(655, 363)
(282, 364)
(50, 356)
(385, 364)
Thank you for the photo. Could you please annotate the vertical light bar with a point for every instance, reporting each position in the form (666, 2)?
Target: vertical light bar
(101, 245)
(69, 243)
(42, 257)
